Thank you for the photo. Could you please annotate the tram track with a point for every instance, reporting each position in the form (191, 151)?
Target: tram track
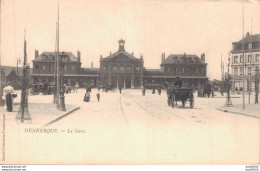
(122, 109)
(191, 117)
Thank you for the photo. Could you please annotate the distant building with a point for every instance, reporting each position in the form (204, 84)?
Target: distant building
(122, 69)
(14, 76)
(190, 68)
(44, 69)
(237, 61)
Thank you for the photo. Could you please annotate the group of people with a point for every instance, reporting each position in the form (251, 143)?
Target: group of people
(68, 89)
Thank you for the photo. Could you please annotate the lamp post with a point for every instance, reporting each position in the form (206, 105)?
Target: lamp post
(18, 61)
(256, 84)
(62, 107)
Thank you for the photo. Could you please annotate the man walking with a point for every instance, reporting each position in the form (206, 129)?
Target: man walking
(98, 97)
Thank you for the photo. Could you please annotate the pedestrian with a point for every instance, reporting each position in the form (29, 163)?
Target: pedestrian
(143, 91)
(120, 89)
(212, 92)
(159, 91)
(7, 96)
(153, 92)
(87, 96)
(76, 87)
(98, 97)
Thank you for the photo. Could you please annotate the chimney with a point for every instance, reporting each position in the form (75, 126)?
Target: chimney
(101, 57)
(79, 56)
(110, 53)
(164, 57)
(92, 65)
(203, 57)
(247, 34)
(133, 53)
(36, 53)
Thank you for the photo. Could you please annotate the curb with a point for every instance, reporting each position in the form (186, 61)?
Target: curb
(62, 116)
(240, 113)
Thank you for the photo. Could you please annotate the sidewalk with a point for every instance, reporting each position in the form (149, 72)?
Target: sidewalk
(252, 110)
(41, 113)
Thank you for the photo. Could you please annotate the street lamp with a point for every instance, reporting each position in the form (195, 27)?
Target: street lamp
(18, 61)
(256, 84)
(63, 59)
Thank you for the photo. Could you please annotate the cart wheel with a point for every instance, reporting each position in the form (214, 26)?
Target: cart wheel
(173, 101)
(191, 101)
(183, 104)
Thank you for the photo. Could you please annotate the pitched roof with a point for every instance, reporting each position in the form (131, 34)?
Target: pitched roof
(114, 55)
(249, 38)
(71, 56)
(9, 69)
(182, 58)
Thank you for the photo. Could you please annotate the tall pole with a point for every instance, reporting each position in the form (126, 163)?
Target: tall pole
(250, 64)
(243, 60)
(17, 73)
(55, 71)
(58, 63)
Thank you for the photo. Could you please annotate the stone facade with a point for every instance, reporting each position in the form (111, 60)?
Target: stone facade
(44, 69)
(121, 69)
(190, 68)
(253, 42)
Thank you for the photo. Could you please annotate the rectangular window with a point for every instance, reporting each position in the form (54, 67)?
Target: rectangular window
(36, 67)
(257, 58)
(121, 69)
(43, 67)
(248, 71)
(65, 68)
(137, 68)
(241, 59)
(235, 59)
(73, 68)
(202, 70)
(183, 70)
(196, 70)
(114, 68)
(235, 71)
(249, 58)
(50, 67)
(241, 70)
(128, 68)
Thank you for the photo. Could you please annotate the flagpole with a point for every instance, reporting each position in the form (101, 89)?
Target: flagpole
(243, 60)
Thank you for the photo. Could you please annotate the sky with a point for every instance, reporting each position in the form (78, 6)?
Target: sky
(148, 27)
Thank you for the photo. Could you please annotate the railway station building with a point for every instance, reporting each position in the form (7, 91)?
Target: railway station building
(123, 69)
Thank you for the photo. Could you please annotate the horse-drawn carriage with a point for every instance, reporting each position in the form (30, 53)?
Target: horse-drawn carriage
(45, 89)
(204, 90)
(184, 95)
